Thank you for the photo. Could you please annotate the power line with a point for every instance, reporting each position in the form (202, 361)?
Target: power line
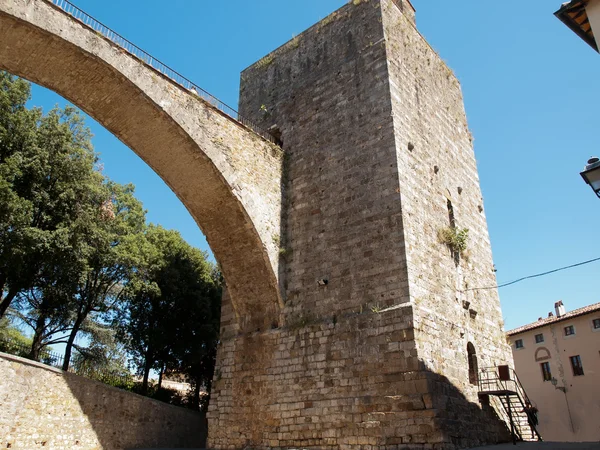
(533, 276)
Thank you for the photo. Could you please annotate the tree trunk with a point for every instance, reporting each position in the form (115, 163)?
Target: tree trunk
(160, 376)
(5, 303)
(2, 284)
(147, 367)
(71, 341)
(36, 344)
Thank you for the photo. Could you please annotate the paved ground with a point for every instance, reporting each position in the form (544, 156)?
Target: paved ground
(545, 446)
(522, 446)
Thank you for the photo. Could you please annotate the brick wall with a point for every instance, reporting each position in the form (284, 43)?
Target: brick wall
(43, 407)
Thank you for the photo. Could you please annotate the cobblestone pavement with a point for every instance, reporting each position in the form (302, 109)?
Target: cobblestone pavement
(545, 446)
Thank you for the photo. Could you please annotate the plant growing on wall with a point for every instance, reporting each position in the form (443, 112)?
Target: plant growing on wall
(454, 238)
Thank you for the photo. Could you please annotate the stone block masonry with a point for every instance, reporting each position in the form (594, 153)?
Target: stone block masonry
(378, 160)
(43, 407)
(348, 323)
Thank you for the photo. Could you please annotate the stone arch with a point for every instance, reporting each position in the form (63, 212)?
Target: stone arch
(227, 177)
(473, 365)
(542, 354)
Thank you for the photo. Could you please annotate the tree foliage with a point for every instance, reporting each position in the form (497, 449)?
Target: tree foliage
(171, 316)
(77, 258)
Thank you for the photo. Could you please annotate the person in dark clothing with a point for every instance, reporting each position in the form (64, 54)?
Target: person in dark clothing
(532, 417)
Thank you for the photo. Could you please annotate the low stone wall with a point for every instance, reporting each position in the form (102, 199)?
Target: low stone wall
(43, 407)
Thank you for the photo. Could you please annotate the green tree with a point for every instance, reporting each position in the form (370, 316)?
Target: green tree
(106, 248)
(103, 357)
(172, 306)
(46, 175)
(12, 340)
(18, 127)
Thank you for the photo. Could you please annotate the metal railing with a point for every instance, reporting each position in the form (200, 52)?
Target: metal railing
(150, 61)
(53, 359)
(489, 381)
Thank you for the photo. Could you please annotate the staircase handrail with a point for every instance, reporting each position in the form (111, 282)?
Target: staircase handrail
(489, 377)
(522, 395)
(520, 387)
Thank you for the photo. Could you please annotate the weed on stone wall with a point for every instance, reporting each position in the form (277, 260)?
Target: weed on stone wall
(454, 238)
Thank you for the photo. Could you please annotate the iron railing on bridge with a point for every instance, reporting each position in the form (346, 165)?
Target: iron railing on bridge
(149, 60)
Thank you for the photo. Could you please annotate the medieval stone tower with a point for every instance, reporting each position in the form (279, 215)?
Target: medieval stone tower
(380, 337)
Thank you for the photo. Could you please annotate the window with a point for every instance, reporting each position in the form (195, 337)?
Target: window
(576, 365)
(519, 343)
(451, 214)
(546, 374)
(570, 330)
(596, 324)
(472, 360)
(539, 338)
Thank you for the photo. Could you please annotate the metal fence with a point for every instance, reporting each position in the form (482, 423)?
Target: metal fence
(55, 359)
(155, 64)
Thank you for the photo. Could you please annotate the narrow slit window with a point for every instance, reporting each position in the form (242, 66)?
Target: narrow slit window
(451, 215)
(473, 366)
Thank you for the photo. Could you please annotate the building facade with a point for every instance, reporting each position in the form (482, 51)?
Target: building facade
(557, 360)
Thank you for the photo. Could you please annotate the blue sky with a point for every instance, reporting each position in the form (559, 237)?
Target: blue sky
(530, 97)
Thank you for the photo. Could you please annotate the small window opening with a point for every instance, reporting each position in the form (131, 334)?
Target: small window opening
(539, 338)
(473, 368)
(452, 220)
(519, 343)
(276, 133)
(451, 214)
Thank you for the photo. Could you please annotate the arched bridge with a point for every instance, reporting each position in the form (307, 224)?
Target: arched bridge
(227, 176)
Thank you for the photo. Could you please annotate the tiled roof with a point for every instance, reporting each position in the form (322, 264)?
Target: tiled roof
(548, 320)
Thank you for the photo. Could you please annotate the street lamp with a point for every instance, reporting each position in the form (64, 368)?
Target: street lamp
(554, 382)
(591, 174)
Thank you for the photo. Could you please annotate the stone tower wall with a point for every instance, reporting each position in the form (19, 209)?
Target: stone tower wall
(327, 91)
(374, 357)
(437, 163)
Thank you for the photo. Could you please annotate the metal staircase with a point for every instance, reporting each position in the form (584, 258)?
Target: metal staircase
(510, 399)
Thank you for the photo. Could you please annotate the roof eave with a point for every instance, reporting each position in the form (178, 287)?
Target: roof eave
(556, 320)
(562, 15)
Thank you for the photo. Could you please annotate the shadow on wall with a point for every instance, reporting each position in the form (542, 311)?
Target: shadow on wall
(339, 383)
(46, 407)
(465, 423)
(123, 420)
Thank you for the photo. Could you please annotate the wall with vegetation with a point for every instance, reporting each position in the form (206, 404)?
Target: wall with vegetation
(46, 407)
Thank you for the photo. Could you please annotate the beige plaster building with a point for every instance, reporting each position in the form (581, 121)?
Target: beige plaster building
(557, 360)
